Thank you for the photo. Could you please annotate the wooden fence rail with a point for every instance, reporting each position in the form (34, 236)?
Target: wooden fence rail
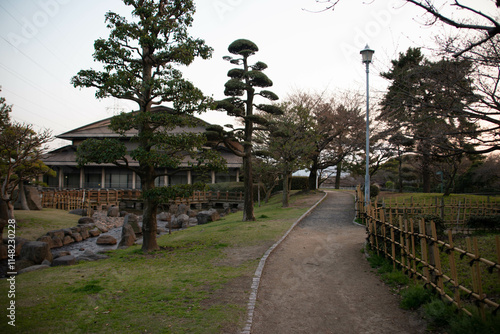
(79, 199)
(420, 251)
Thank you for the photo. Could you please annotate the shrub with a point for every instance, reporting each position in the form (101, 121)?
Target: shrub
(374, 190)
(438, 313)
(414, 297)
(484, 222)
(395, 278)
(438, 221)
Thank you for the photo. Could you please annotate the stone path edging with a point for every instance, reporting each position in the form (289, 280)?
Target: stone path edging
(258, 272)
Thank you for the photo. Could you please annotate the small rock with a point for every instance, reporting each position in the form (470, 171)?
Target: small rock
(91, 256)
(106, 240)
(33, 268)
(61, 253)
(77, 237)
(67, 260)
(85, 234)
(57, 242)
(95, 232)
(85, 221)
(67, 240)
(56, 233)
(47, 239)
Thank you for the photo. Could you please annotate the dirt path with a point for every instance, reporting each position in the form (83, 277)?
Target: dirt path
(318, 281)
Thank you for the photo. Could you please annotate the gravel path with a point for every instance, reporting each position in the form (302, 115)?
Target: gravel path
(318, 281)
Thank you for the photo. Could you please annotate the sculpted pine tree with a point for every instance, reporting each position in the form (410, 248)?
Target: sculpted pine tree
(243, 81)
(140, 59)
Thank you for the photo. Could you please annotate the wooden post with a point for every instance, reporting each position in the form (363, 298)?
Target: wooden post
(476, 274)
(453, 268)
(497, 239)
(423, 247)
(438, 273)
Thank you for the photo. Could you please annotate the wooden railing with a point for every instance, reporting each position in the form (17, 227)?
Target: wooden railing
(460, 274)
(75, 199)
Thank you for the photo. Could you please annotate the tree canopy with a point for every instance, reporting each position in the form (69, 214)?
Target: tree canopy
(243, 82)
(141, 60)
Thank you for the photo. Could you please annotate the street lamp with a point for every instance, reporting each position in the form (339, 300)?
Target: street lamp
(367, 55)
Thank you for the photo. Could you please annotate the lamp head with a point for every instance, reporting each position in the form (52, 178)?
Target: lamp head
(367, 54)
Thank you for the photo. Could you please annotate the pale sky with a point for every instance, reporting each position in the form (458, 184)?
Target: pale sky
(43, 43)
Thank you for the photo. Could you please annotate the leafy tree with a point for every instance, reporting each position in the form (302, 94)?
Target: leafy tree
(243, 81)
(140, 60)
(266, 172)
(339, 125)
(289, 142)
(21, 150)
(425, 102)
(475, 38)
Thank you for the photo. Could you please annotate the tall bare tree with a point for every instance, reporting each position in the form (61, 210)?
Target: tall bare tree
(21, 151)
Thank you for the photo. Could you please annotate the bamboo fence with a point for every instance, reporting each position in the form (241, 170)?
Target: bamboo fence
(453, 212)
(420, 251)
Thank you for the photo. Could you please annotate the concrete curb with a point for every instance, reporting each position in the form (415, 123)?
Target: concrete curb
(258, 272)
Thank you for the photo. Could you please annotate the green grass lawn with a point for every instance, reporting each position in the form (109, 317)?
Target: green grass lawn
(33, 224)
(194, 284)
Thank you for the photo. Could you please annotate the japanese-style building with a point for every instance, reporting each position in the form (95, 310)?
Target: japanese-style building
(109, 176)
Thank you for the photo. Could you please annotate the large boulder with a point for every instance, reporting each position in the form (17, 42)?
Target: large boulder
(164, 216)
(205, 217)
(174, 223)
(183, 220)
(113, 211)
(33, 198)
(182, 209)
(106, 240)
(36, 252)
(133, 221)
(128, 236)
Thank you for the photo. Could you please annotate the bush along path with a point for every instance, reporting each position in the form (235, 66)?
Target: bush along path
(317, 280)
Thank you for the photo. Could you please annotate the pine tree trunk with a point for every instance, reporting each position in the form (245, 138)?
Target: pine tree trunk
(22, 197)
(149, 226)
(248, 214)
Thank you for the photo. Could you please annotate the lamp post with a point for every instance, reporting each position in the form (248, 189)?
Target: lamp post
(367, 55)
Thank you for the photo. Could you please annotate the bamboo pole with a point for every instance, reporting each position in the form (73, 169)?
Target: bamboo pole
(453, 269)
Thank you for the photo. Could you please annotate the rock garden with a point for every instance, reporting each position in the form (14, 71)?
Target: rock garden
(98, 232)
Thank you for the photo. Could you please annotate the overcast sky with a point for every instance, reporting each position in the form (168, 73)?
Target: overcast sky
(43, 43)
